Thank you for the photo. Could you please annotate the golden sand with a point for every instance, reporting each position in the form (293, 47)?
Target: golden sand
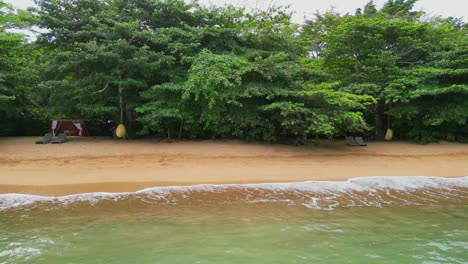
(105, 165)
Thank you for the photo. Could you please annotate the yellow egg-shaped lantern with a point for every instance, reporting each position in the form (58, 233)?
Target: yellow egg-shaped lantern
(120, 132)
(389, 135)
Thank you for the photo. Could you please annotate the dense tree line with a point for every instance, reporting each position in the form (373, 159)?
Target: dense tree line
(188, 71)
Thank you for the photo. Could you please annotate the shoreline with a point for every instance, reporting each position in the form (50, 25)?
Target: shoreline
(86, 165)
(133, 187)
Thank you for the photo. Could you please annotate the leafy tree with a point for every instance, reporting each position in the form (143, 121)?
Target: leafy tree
(326, 112)
(429, 101)
(178, 69)
(166, 113)
(226, 84)
(401, 9)
(18, 108)
(314, 31)
(10, 61)
(106, 50)
(366, 54)
(370, 10)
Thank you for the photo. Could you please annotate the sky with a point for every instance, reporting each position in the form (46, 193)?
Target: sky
(305, 8)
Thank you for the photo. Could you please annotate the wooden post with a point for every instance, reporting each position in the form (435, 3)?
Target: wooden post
(121, 104)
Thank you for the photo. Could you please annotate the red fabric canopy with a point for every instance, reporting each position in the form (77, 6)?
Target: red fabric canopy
(69, 128)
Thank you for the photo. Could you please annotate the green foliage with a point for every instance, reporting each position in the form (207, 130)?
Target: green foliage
(179, 69)
(166, 111)
(213, 76)
(400, 9)
(370, 10)
(323, 111)
(19, 113)
(226, 85)
(430, 100)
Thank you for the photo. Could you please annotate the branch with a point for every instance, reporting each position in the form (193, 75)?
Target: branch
(408, 62)
(103, 89)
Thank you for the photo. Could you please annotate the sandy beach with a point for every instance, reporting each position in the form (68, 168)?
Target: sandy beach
(105, 165)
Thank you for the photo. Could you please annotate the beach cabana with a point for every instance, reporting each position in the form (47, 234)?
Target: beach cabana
(69, 127)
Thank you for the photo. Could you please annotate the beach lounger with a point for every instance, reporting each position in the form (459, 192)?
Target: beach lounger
(360, 141)
(351, 142)
(46, 139)
(62, 137)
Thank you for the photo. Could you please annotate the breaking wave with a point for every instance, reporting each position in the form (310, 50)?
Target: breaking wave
(323, 195)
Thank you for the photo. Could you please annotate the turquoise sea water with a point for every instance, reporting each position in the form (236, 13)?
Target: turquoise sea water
(379, 220)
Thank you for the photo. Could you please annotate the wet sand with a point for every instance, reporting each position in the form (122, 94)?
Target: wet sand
(105, 165)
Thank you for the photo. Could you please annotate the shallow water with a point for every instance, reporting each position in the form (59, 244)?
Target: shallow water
(379, 220)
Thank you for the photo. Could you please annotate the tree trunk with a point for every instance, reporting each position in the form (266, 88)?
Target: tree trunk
(379, 121)
(180, 129)
(121, 104)
(129, 122)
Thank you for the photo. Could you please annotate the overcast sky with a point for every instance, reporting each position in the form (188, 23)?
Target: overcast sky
(305, 8)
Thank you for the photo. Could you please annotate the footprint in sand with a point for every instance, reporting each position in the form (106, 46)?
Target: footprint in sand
(163, 162)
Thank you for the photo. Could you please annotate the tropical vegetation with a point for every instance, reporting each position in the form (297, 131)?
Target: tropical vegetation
(177, 69)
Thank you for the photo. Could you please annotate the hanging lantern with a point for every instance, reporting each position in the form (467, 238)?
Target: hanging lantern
(389, 135)
(121, 132)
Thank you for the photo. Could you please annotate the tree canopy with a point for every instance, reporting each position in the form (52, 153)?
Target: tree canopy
(171, 68)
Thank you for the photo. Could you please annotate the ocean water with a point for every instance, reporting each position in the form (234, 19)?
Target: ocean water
(363, 220)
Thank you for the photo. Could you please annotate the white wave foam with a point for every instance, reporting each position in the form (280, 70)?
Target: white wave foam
(307, 190)
(20, 252)
(14, 200)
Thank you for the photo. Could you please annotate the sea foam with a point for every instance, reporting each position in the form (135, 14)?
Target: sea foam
(324, 195)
